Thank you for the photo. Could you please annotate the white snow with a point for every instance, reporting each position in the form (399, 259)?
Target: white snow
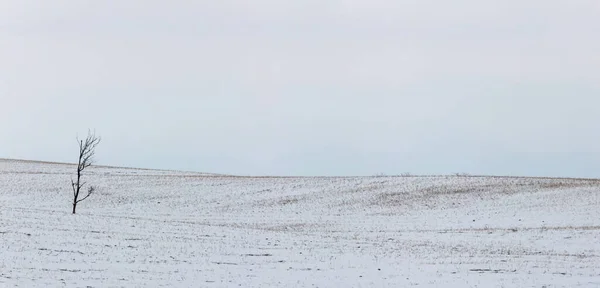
(147, 228)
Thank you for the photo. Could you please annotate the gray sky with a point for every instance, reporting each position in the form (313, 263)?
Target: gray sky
(307, 87)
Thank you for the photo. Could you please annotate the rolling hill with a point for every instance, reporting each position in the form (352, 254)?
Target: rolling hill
(153, 228)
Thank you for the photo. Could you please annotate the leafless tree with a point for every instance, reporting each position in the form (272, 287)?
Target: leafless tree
(87, 150)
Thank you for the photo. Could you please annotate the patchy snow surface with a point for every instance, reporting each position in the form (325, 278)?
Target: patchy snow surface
(146, 228)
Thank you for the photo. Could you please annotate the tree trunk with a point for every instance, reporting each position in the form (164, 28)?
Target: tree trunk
(74, 206)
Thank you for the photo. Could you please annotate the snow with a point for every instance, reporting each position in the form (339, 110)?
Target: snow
(149, 228)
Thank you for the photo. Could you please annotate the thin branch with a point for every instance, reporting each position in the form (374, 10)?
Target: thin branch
(73, 186)
(90, 192)
(86, 196)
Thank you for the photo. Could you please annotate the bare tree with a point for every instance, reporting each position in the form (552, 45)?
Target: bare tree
(87, 150)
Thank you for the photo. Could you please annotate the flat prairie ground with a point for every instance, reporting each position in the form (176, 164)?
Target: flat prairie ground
(152, 228)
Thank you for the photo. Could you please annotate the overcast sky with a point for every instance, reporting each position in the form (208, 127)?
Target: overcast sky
(308, 87)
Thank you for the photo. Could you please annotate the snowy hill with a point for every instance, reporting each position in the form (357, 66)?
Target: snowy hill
(151, 228)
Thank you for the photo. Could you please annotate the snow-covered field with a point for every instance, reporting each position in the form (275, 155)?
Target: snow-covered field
(147, 228)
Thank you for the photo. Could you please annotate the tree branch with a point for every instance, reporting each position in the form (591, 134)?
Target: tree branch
(90, 191)
(73, 186)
